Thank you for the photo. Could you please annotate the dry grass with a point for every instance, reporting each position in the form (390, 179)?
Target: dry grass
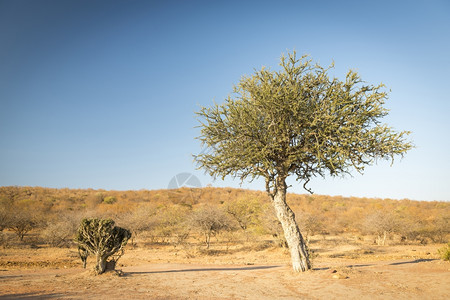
(161, 263)
(358, 270)
(335, 247)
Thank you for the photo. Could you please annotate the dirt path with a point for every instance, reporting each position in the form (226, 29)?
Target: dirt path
(402, 279)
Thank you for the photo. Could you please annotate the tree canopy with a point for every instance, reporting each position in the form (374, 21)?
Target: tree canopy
(297, 121)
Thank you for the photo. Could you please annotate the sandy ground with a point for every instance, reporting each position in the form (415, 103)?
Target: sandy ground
(153, 274)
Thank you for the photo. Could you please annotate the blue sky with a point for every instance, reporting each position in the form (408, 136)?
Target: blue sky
(102, 94)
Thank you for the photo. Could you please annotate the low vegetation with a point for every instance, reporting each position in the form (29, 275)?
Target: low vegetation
(444, 252)
(210, 220)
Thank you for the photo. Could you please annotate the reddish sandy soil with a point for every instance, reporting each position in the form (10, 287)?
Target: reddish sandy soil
(153, 274)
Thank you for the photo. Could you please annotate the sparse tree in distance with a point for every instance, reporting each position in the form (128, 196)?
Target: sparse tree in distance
(169, 222)
(59, 232)
(3, 218)
(297, 121)
(382, 224)
(21, 220)
(138, 220)
(209, 221)
(310, 224)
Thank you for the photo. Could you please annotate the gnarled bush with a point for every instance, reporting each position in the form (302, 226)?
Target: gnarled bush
(100, 237)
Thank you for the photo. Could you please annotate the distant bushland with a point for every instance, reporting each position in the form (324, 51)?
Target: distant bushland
(49, 216)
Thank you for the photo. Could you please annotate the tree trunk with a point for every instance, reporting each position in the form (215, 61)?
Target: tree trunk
(101, 264)
(295, 241)
(381, 238)
(207, 240)
(83, 253)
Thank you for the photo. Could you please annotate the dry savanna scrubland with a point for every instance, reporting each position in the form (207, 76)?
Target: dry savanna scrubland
(221, 243)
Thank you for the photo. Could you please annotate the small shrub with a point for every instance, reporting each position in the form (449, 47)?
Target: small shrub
(444, 252)
(6, 240)
(310, 225)
(60, 231)
(59, 234)
(110, 200)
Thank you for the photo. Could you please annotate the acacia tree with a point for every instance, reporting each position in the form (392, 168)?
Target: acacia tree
(296, 121)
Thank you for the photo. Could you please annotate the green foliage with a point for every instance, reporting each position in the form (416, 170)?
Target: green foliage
(297, 121)
(100, 237)
(110, 200)
(100, 196)
(444, 252)
(245, 211)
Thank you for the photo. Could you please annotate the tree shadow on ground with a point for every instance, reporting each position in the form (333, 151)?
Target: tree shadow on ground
(204, 270)
(391, 264)
(10, 276)
(349, 266)
(412, 261)
(31, 296)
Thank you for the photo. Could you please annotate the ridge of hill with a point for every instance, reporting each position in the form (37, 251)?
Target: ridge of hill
(79, 198)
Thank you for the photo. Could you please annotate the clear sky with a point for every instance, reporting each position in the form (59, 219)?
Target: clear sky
(102, 94)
